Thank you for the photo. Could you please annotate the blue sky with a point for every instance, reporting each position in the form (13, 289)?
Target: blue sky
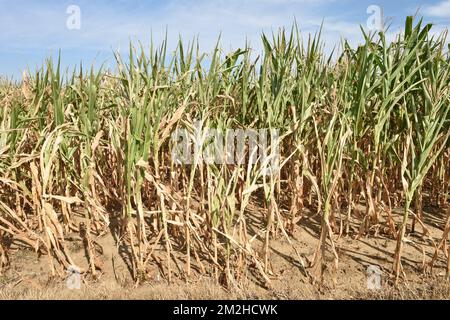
(33, 30)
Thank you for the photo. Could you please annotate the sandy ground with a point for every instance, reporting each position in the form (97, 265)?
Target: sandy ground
(28, 276)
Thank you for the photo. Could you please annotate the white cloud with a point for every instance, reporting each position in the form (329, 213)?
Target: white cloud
(33, 29)
(440, 10)
(36, 30)
(106, 27)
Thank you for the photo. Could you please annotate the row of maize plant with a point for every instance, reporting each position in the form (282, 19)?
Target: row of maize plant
(90, 152)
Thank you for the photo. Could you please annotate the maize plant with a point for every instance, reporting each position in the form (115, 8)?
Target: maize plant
(362, 131)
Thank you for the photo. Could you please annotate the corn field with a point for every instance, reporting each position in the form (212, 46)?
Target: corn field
(363, 132)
